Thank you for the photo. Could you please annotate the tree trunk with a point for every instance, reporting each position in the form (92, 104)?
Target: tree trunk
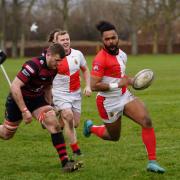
(22, 44)
(155, 42)
(134, 49)
(134, 26)
(65, 14)
(169, 42)
(3, 24)
(16, 29)
(23, 28)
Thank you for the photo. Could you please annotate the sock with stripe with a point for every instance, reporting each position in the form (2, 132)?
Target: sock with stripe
(60, 146)
(75, 148)
(149, 139)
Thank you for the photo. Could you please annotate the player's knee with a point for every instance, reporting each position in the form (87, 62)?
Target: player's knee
(147, 123)
(76, 125)
(115, 137)
(8, 135)
(53, 127)
(51, 122)
(50, 113)
(70, 124)
(68, 119)
(8, 131)
(68, 116)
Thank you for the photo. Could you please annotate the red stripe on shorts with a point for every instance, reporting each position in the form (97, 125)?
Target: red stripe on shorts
(100, 105)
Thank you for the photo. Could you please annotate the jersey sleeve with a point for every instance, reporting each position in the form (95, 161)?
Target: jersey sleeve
(82, 60)
(97, 67)
(28, 70)
(124, 57)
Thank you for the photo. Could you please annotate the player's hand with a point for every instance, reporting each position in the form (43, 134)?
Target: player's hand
(27, 116)
(87, 91)
(130, 81)
(125, 81)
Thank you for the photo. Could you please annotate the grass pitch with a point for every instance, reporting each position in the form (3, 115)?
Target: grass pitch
(30, 155)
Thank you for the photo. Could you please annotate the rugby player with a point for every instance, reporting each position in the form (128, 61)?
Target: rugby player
(67, 89)
(30, 97)
(114, 99)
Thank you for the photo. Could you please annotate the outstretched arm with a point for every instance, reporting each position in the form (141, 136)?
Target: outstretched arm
(97, 85)
(17, 96)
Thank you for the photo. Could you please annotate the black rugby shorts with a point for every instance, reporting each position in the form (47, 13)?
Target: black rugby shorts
(13, 113)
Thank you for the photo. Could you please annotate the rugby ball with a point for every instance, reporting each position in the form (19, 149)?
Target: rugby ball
(143, 79)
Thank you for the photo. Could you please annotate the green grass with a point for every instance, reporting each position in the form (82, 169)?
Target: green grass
(30, 155)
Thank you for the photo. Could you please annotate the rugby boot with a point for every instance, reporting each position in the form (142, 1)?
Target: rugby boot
(71, 166)
(78, 158)
(153, 166)
(87, 125)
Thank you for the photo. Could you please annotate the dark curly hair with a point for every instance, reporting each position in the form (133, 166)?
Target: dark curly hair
(105, 26)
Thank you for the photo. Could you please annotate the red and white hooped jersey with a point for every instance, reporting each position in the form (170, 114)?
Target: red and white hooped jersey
(111, 68)
(68, 76)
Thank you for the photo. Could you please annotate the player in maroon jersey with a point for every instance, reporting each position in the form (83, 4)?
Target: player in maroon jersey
(114, 100)
(30, 97)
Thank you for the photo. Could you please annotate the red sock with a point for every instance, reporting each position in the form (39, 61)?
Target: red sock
(149, 139)
(75, 148)
(98, 130)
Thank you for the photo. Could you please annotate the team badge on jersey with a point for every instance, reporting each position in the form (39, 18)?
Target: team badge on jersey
(76, 62)
(25, 72)
(30, 69)
(96, 68)
(111, 114)
(43, 78)
(41, 61)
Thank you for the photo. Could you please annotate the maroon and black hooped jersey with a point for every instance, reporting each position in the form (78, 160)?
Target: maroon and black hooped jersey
(36, 76)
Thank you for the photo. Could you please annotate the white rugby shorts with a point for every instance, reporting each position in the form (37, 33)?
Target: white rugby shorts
(64, 100)
(111, 108)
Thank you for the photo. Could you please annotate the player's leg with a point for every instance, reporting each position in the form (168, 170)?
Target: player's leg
(137, 111)
(69, 120)
(76, 116)
(12, 120)
(8, 129)
(47, 116)
(76, 109)
(66, 103)
(108, 131)
(112, 121)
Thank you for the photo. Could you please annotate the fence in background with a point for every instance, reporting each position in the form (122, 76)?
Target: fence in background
(93, 48)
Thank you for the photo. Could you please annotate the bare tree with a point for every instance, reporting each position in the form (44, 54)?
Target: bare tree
(134, 19)
(88, 13)
(171, 11)
(133, 16)
(153, 21)
(3, 23)
(16, 26)
(63, 8)
(24, 24)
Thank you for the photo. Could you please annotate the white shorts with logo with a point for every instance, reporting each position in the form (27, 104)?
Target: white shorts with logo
(111, 108)
(64, 100)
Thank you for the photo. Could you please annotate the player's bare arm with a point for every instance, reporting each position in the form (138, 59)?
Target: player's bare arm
(97, 85)
(86, 74)
(17, 96)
